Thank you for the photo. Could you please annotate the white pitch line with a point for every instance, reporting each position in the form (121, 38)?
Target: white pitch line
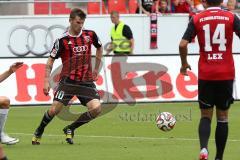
(125, 137)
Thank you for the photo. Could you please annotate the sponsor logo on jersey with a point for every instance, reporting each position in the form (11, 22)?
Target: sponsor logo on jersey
(87, 38)
(80, 49)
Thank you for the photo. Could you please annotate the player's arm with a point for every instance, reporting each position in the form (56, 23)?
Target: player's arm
(183, 55)
(183, 50)
(99, 50)
(11, 70)
(54, 54)
(48, 70)
(97, 63)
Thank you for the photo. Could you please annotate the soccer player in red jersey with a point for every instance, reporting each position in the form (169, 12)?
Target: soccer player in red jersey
(77, 75)
(214, 28)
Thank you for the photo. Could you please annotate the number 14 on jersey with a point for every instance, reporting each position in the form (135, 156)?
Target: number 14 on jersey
(218, 37)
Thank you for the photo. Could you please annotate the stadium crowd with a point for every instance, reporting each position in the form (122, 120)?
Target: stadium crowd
(137, 6)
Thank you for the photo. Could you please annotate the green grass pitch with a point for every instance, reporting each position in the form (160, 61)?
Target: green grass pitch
(125, 133)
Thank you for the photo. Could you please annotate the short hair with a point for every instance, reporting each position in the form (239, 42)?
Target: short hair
(77, 12)
(116, 13)
(214, 2)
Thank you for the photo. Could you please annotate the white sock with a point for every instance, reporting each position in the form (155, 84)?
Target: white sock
(3, 118)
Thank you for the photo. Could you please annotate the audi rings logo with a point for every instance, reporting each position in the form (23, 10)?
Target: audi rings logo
(37, 39)
(79, 49)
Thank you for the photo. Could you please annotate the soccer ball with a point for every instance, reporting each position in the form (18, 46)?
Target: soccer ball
(165, 121)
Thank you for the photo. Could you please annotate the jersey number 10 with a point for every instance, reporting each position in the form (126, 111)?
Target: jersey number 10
(217, 38)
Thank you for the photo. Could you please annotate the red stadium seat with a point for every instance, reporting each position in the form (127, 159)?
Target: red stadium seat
(132, 5)
(117, 5)
(41, 8)
(57, 8)
(60, 8)
(94, 8)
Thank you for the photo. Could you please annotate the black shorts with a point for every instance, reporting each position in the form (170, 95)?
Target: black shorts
(215, 93)
(67, 88)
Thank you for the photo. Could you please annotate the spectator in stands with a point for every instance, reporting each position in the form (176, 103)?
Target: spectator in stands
(121, 36)
(182, 6)
(229, 4)
(147, 6)
(198, 6)
(204, 3)
(237, 7)
(162, 6)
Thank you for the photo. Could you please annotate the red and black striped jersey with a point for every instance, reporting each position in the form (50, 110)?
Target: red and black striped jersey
(75, 53)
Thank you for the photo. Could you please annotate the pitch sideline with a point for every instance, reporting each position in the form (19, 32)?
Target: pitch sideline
(125, 137)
